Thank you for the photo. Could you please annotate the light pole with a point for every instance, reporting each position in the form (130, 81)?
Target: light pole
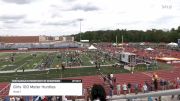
(80, 27)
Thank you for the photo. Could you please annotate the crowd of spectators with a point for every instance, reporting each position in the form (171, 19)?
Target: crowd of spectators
(98, 92)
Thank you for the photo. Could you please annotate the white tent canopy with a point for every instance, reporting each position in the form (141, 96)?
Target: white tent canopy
(120, 44)
(149, 49)
(142, 43)
(114, 44)
(172, 44)
(92, 47)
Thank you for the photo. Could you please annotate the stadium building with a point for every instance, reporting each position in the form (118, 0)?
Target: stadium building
(34, 39)
(37, 42)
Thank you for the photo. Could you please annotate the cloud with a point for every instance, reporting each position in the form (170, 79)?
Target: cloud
(129, 23)
(164, 20)
(60, 23)
(68, 0)
(39, 16)
(30, 21)
(10, 26)
(9, 21)
(52, 23)
(77, 7)
(11, 18)
(86, 8)
(18, 1)
(54, 15)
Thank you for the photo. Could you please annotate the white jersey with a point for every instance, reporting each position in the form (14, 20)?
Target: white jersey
(118, 87)
(124, 87)
(144, 87)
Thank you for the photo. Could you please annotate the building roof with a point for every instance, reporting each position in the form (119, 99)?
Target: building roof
(19, 39)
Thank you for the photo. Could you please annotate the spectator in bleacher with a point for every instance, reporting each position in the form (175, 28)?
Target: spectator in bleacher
(49, 98)
(110, 92)
(136, 88)
(17, 98)
(174, 85)
(129, 87)
(12, 98)
(22, 98)
(140, 87)
(84, 92)
(165, 84)
(162, 84)
(110, 82)
(150, 98)
(105, 79)
(112, 88)
(88, 96)
(178, 81)
(148, 86)
(64, 98)
(145, 89)
(118, 87)
(156, 99)
(178, 97)
(58, 98)
(110, 76)
(53, 98)
(155, 82)
(98, 93)
(45, 98)
(124, 88)
(159, 98)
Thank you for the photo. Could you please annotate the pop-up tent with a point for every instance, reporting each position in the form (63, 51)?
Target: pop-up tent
(92, 47)
(149, 49)
(114, 44)
(142, 44)
(172, 44)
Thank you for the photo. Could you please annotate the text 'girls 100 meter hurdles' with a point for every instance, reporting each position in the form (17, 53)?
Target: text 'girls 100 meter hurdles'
(46, 87)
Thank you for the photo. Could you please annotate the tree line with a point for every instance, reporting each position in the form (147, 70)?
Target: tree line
(153, 35)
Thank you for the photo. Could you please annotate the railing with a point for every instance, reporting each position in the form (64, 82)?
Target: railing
(150, 94)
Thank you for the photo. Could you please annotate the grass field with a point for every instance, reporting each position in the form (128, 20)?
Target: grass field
(58, 73)
(28, 61)
(159, 66)
(34, 60)
(21, 59)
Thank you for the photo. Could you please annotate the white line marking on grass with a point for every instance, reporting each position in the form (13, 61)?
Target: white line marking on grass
(20, 66)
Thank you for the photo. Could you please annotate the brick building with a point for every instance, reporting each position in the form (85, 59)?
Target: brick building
(19, 39)
(34, 39)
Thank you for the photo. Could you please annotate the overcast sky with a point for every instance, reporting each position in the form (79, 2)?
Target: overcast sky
(61, 17)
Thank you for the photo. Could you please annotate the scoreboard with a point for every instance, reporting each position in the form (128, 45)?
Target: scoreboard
(45, 88)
